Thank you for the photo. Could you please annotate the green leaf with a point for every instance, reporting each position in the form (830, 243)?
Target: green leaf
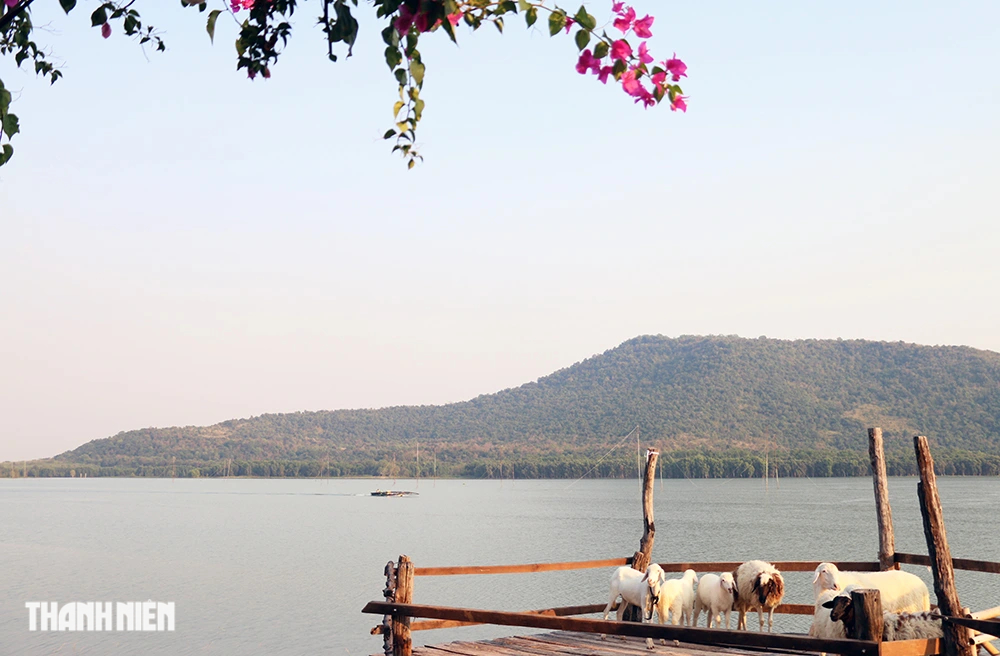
(585, 20)
(99, 17)
(523, 4)
(601, 50)
(67, 5)
(4, 100)
(389, 134)
(395, 109)
(240, 46)
(6, 153)
(498, 22)
(582, 39)
(390, 36)
(10, 127)
(418, 109)
(400, 74)
(392, 57)
(411, 164)
(557, 21)
(531, 16)
(417, 71)
(212, 17)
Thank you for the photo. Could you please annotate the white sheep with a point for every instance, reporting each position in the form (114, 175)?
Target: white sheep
(641, 589)
(895, 626)
(822, 625)
(759, 586)
(716, 595)
(901, 591)
(677, 598)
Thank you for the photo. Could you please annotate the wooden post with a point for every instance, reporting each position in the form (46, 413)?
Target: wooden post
(886, 540)
(867, 615)
(402, 644)
(641, 558)
(956, 638)
(389, 592)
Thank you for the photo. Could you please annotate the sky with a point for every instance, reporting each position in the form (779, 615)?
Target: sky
(182, 246)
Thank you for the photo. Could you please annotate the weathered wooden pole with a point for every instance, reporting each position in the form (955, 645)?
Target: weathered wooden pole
(886, 539)
(641, 558)
(402, 643)
(956, 638)
(389, 592)
(867, 615)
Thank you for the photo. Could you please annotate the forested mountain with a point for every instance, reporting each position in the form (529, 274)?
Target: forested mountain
(714, 404)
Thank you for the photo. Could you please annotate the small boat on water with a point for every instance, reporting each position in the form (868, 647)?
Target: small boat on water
(393, 493)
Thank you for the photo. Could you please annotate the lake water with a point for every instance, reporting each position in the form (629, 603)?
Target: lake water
(285, 566)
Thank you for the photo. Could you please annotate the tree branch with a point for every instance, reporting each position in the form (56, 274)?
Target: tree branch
(13, 12)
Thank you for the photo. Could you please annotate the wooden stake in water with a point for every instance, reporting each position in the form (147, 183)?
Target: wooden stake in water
(956, 638)
(886, 538)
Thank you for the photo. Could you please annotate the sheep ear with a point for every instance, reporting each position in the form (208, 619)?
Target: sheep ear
(816, 578)
(828, 604)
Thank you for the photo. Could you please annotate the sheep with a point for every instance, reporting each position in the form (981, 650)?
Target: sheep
(759, 586)
(901, 592)
(641, 589)
(895, 626)
(677, 598)
(822, 625)
(716, 595)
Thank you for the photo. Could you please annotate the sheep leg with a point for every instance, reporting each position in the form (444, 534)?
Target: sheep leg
(770, 619)
(741, 620)
(725, 614)
(607, 611)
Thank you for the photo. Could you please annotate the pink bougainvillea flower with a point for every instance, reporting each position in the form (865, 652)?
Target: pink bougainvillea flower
(106, 30)
(644, 55)
(624, 21)
(646, 98)
(603, 74)
(658, 79)
(588, 62)
(420, 22)
(620, 49)
(631, 84)
(615, 6)
(266, 72)
(404, 20)
(679, 103)
(676, 68)
(251, 73)
(642, 26)
(569, 24)
(236, 5)
(10, 3)
(455, 18)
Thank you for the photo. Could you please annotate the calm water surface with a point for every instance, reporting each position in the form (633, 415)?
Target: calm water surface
(285, 566)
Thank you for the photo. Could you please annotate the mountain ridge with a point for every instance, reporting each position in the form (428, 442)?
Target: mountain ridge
(689, 394)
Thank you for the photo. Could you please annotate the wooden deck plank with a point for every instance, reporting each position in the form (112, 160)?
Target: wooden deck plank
(565, 643)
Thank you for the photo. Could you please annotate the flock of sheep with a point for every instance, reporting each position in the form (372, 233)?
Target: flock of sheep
(757, 585)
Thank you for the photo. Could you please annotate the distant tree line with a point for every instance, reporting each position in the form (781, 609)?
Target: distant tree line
(680, 464)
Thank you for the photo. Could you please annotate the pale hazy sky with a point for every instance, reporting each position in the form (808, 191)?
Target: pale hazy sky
(181, 246)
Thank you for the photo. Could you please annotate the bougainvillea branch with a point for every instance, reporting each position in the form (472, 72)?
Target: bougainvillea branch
(265, 27)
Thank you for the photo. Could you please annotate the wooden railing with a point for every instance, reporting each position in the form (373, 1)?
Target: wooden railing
(716, 637)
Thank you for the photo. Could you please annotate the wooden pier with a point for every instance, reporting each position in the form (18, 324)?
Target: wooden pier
(569, 635)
